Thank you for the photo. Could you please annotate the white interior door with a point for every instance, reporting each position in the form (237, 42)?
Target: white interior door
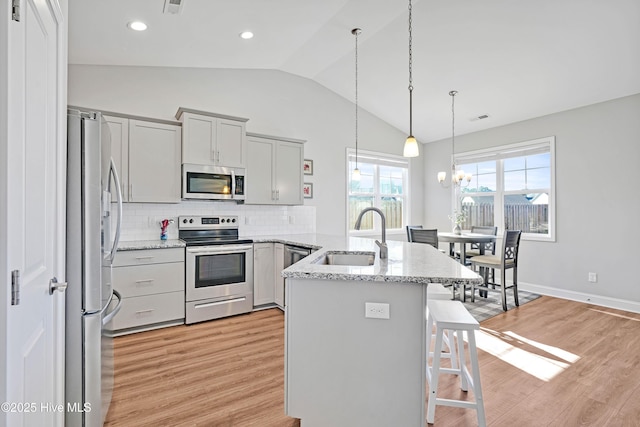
(35, 199)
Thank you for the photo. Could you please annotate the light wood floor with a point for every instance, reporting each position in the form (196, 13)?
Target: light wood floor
(550, 362)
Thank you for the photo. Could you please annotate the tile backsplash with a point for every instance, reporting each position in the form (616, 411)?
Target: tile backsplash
(141, 221)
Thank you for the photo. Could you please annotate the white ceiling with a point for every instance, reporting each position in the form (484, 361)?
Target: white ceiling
(510, 59)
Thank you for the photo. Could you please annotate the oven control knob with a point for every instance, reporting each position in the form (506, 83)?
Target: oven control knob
(191, 221)
(233, 220)
(184, 221)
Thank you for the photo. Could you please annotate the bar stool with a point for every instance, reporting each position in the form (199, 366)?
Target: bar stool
(453, 317)
(435, 291)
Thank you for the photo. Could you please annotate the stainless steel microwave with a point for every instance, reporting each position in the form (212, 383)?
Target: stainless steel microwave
(212, 182)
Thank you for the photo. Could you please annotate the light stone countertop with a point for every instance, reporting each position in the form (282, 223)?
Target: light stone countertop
(407, 262)
(310, 240)
(135, 245)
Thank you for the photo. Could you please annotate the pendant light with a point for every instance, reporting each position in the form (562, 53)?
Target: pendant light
(410, 145)
(355, 176)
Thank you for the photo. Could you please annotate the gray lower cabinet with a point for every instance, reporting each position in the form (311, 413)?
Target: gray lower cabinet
(264, 275)
(268, 283)
(151, 283)
(279, 260)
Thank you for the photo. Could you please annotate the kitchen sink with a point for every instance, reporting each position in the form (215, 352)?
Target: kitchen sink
(348, 258)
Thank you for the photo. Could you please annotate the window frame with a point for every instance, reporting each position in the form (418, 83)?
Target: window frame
(378, 158)
(498, 154)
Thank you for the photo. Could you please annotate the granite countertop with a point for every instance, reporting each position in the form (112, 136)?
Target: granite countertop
(135, 245)
(407, 263)
(312, 241)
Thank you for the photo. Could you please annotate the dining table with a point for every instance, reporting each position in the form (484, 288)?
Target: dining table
(462, 239)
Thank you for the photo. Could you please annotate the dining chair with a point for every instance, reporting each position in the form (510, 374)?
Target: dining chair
(507, 259)
(412, 227)
(420, 235)
(474, 250)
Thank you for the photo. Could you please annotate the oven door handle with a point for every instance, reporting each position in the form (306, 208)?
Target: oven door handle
(204, 250)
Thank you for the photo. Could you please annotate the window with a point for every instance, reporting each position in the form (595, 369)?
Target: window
(383, 184)
(512, 187)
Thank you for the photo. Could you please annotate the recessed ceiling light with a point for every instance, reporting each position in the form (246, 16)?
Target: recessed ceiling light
(246, 35)
(137, 25)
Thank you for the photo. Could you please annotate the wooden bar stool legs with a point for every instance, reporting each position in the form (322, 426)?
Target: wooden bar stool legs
(453, 317)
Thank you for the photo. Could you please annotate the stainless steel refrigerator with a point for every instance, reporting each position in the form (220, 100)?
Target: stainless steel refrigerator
(91, 300)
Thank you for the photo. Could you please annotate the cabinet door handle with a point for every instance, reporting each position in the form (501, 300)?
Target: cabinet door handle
(277, 194)
(140, 258)
(144, 281)
(213, 155)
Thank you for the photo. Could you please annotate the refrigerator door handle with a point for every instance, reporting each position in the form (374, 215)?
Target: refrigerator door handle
(102, 310)
(116, 239)
(116, 309)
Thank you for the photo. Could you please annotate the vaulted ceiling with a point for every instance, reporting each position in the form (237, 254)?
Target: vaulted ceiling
(509, 59)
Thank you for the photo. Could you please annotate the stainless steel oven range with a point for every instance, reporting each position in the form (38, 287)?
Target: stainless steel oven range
(219, 268)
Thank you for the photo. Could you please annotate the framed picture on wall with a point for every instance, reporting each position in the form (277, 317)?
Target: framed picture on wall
(307, 166)
(307, 190)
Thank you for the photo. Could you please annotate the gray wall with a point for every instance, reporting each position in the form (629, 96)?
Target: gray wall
(598, 201)
(275, 102)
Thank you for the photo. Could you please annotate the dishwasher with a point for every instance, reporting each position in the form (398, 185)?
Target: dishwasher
(293, 254)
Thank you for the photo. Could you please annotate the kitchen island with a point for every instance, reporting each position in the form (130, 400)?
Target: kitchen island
(351, 363)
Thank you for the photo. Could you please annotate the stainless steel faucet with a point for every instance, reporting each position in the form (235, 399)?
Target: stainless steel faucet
(384, 251)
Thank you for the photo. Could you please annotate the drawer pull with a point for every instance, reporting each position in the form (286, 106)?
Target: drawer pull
(145, 257)
(144, 281)
(142, 312)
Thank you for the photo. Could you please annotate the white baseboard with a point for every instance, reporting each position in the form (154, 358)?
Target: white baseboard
(616, 303)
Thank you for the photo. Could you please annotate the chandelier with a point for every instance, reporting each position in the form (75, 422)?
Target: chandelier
(458, 177)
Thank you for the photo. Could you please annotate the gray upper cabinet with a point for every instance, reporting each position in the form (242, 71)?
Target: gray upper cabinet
(274, 170)
(154, 162)
(119, 128)
(147, 156)
(213, 139)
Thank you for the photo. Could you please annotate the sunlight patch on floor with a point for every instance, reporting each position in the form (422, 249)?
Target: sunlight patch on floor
(558, 352)
(615, 314)
(541, 367)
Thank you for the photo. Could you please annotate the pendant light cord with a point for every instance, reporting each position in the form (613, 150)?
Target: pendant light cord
(410, 73)
(356, 32)
(453, 94)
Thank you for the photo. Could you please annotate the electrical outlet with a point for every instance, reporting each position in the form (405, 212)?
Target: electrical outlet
(376, 310)
(593, 277)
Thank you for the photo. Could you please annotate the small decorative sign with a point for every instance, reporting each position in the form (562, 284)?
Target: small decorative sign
(307, 166)
(307, 190)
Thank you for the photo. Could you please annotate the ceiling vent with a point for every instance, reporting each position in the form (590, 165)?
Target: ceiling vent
(483, 116)
(173, 7)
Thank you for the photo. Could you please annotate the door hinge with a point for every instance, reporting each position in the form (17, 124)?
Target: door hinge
(15, 287)
(15, 10)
